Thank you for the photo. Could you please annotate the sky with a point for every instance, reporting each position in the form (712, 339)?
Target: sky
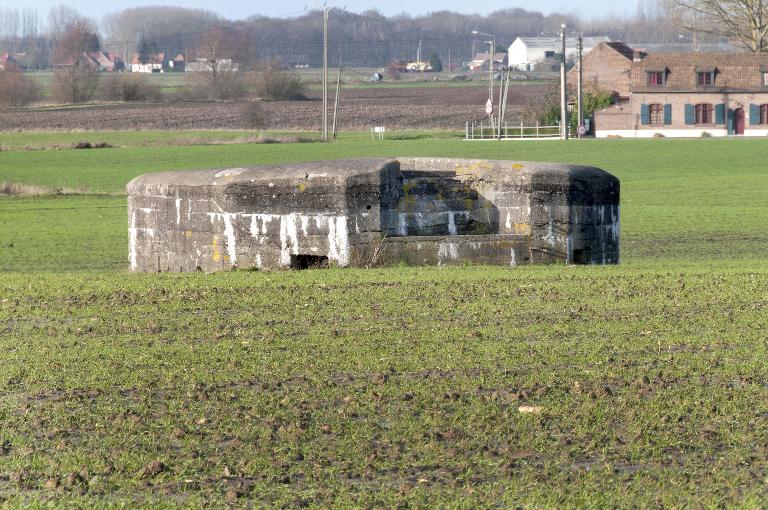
(237, 9)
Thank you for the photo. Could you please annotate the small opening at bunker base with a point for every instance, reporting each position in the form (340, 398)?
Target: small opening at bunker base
(309, 262)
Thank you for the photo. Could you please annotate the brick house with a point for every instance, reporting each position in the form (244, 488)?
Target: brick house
(688, 94)
(607, 67)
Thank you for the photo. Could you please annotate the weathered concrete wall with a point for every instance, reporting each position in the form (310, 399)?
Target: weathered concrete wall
(366, 212)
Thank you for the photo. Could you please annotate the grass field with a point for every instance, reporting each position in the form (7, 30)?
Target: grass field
(640, 385)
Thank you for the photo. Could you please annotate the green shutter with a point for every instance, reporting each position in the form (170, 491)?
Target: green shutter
(667, 114)
(645, 117)
(690, 114)
(754, 114)
(720, 113)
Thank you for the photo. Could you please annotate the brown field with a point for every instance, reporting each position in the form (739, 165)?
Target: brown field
(395, 107)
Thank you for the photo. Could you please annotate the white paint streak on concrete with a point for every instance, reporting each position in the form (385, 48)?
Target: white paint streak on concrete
(402, 227)
(512, 259)
(189, 210)
(147, 210)
(254, 226)
(285, 255)
(304, 224)
(292, 233)
(178, 211)
(258, 260)
(451, 223)
(229, 233)
(508, 223)
(338, 240)
(446, 251)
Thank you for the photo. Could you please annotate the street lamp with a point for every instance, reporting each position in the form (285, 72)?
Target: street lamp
(492, 44)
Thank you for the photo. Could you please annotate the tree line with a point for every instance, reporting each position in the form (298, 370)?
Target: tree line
(367, 39)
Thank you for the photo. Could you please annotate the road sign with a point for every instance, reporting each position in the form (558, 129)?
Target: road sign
(489, 107)
(582, 130)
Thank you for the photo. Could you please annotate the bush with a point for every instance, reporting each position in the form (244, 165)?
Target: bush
(124, 87)
(16, 89)
(281, 85)
(74, 84)
(252, 115)
(392, 71)
(215, 86)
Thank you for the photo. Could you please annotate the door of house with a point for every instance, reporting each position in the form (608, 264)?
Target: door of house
(738, 121)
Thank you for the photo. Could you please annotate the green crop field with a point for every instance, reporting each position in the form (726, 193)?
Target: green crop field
(639, 385)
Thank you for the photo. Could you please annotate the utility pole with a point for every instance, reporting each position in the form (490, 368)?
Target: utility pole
(336, 103)
(579, 92)
(492, 56)
(450, 73)
(326, 10)
(563, 97)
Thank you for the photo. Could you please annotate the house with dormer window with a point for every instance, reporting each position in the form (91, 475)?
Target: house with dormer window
(689, 94)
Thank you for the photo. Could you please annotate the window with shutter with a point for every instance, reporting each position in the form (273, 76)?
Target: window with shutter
(703, 113)
(656, 113)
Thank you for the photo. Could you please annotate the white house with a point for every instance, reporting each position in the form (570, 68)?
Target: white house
(525, 52)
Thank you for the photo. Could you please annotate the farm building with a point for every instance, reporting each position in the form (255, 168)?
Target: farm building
(525, 52)
(607, 68)
(155, 63)
(97, 61)
(481, 62)
(688, 94)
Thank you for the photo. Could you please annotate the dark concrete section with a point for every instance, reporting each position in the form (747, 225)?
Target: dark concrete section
(366, 212)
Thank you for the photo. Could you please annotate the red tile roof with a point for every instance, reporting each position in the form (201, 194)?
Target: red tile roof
(734, 72)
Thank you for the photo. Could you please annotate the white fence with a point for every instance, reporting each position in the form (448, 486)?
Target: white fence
(481, 131)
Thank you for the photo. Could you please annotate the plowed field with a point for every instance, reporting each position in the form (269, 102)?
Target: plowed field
(394, 108)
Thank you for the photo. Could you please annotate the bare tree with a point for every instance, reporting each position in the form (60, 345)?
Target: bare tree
(213, 72)
(744, 20)
(60, 18)
(76, 77)
(166, 29)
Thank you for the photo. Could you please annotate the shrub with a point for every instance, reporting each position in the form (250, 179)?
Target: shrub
(281, 85)
(252, 115)
(74, 84)
(124, 87)
(16, 89)
(392, 71)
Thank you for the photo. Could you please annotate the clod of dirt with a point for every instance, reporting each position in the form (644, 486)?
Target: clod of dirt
(232, 495)
(89, 145)
(152, 469)
(52, 483)
(74, 480)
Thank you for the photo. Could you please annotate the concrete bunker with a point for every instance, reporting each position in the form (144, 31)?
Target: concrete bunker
(373, 212)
